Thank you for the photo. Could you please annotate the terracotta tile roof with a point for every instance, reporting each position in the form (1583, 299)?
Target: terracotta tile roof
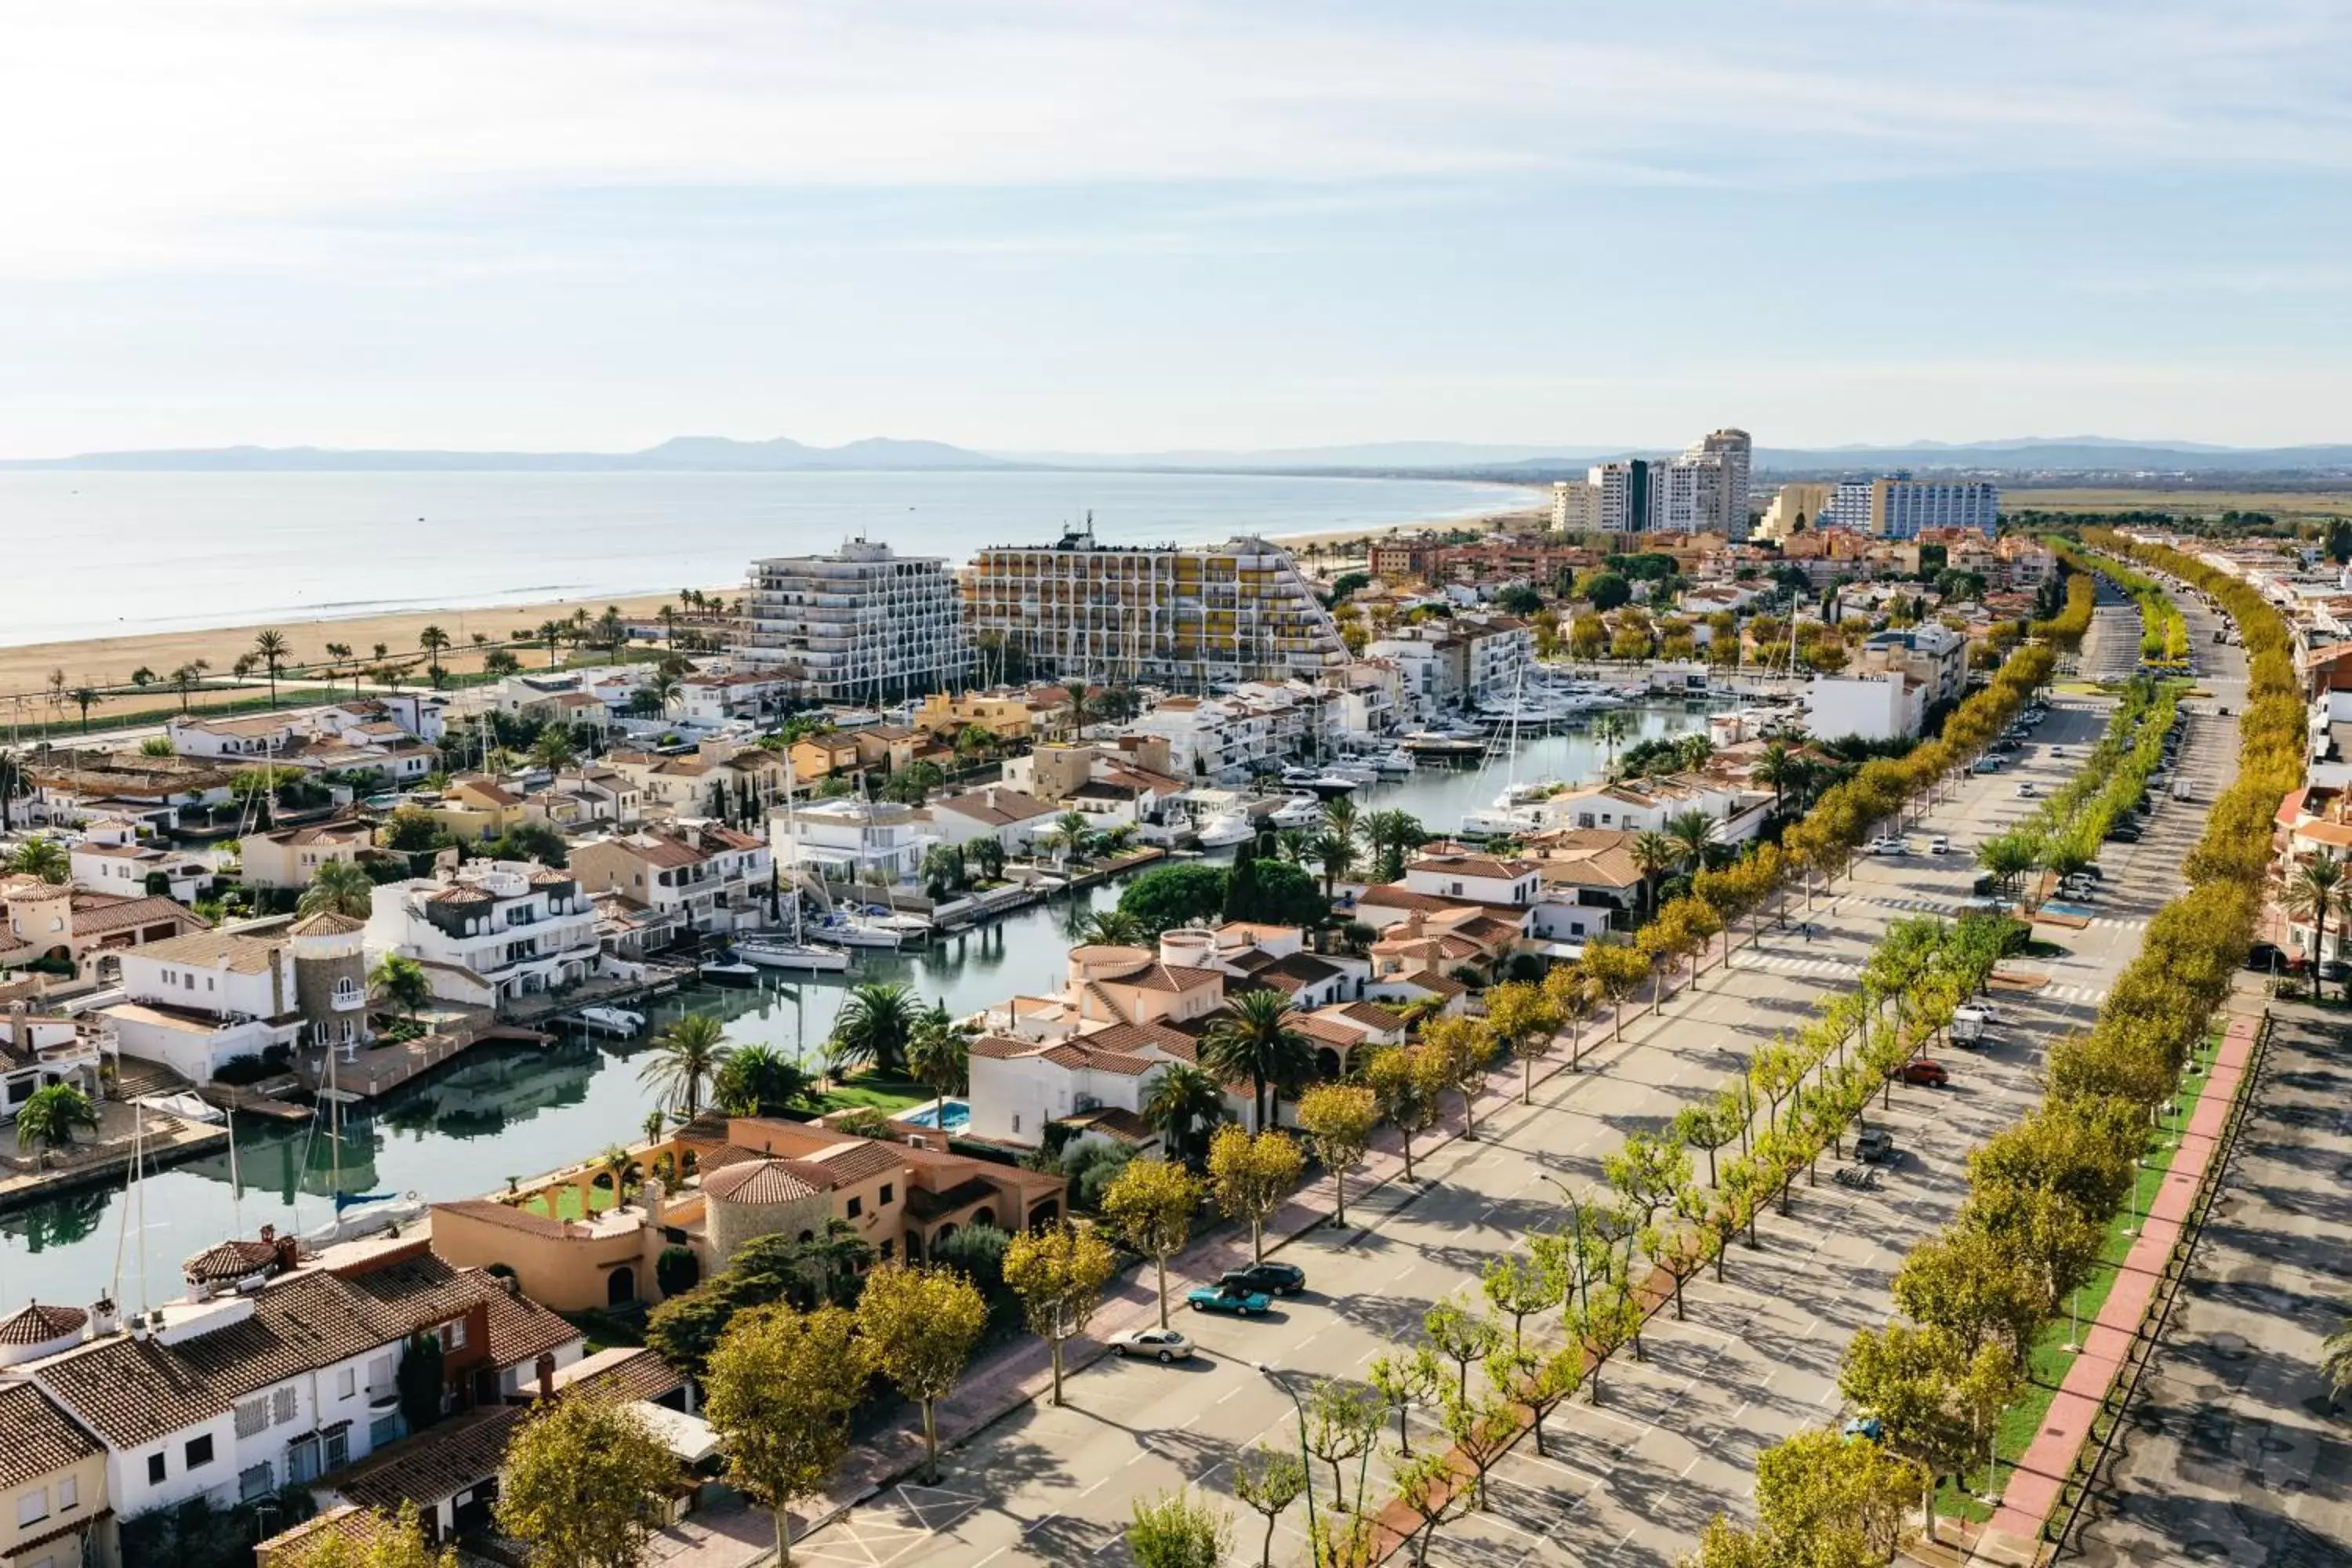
(1373, 1016)
(347, 1522)
(1484, 866)
(1001, 1047)
(100, 914)
(231, 1259)
(215, 950)
(420, 1290)
(724, 1155)
(857, 1161)
(1304, 968)
(133, 1391)
(37, 1324)
(1158, 977)
(326, 923)
(1435, 984)
(42, 1439)
(1391, 896)
(767, 1181)
(521, 1331)
(1493, 933)
(622, 1373)
(1008, 805)
(509, 1216)
(1331, 1031)
(1114, 1122)
(1138, 1039)
(437, 1463)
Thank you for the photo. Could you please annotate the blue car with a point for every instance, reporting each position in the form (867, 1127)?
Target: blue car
(1863, 1427)
(1238, 1299)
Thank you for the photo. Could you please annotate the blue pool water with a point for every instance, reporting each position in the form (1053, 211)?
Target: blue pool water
(947, 1118)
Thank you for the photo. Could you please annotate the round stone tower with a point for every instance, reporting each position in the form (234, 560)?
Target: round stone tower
(329, 978)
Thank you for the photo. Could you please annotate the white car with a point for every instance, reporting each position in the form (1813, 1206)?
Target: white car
(1940, 845)
(1884, 846)
(1160, 1344)
(2025, 788)
(2058, 754)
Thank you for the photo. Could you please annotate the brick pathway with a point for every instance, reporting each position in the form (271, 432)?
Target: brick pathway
(2044, 1469)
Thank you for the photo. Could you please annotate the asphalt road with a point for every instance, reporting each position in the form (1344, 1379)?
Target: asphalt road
(1672, 1441)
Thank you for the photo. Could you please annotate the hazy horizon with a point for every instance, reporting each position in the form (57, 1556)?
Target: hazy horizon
(1044, 227)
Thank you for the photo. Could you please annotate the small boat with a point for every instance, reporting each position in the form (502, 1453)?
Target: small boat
(364, 1214)
(1323, 784)
(781, 953)
(1229, 828)
(1520, 793)
(1393, 764)
(1356, 772)
(850, 931)
(1301, 810)
(727, 969)
(612, 1020)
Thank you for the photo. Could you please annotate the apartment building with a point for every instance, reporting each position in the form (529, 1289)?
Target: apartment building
(1624, 492)
(1575, 506)
(1874, 706)
(1933, 654)
(878, 843)
(702, 876)
(858, 626)
(1897, 506)
(490, 933)
(1187, 617)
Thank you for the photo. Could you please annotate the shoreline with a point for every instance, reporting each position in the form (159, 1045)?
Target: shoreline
(110, 660)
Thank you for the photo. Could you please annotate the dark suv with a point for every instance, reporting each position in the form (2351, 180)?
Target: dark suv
(1274, 1278)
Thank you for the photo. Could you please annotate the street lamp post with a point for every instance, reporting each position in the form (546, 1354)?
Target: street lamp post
(1306, 1459)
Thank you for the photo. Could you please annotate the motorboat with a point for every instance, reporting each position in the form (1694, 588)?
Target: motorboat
(364, 1214)
(1357, 772)
(728, 969)
(612, 1020)
(1304, 809)
(783, 952)
(1228, 828)
(854, 930)
(1325, 783)
(1393, 764)
(1520, 793)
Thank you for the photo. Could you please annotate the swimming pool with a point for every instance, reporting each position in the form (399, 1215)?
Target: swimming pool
(947, 1115)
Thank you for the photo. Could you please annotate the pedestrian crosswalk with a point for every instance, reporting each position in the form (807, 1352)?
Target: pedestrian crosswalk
(1833, 969)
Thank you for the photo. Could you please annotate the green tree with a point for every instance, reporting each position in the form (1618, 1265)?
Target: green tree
(1114, 928)
(391, 1540)
(270, 648)
(1268, 1480)
(1259, 1039)
(1462, 1336)
(43, 857)
(877, 1020)
(2312, 891)
(1170, 896)
(1174, 1532)
(1250, 1175)
(1343, 1422)
(1407, 1082)
(920, 1326)
(780, 1390)
(759, 1080)
(1183, 1102)
(1151, 1204)
(1341, 1119)
(685, 1059)
(400, 981)
(583, 1484)
(435, 642)
(1059, 1273)
(1518, 1286)
(51, 1117)
(338, 886)
(1392, 835)
(938, 1054)
(1607, 590)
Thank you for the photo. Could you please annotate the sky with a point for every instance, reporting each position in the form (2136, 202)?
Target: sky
(1148, 225)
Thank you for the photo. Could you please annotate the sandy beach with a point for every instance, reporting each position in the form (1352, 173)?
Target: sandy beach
(25, 673)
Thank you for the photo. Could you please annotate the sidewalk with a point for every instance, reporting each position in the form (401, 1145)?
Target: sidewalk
(2044, 1469)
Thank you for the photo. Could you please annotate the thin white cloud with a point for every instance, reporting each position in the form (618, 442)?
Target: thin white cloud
(149, 133)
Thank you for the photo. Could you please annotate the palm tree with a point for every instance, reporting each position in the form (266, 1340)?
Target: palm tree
(2311, 892)
(663, 689)
(1695, 834)
(184, 679)
(1653, 855)
(1392, 835)
(1336, 852)
(1612, 730)
(83, 697)
(554, 751)
(615, 1165)
(550, 633)
(43, 857)
(1340, 816)
(686, 1055)
(1779, 767)
(338, 886)
(1259, 1040)
(1113, 928)
(1183, 1102)
(938, 1054)
(433, 640)
(1295, 845)
(1692, 750)
(51, 1117)
(1076, 690)
(877, 1022)
(12, 785)
(400, 981)
(270, 649)
(757, 1081)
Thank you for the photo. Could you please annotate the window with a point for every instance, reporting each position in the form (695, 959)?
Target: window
(253, 1416)
(856, 1207)
(32, 1506)
(285, 1404)
(199, 1451)
(302, 1459)
(383, 1429)
(889, 1194)
(68, 1494)
(258, 1481)
(1016, 1121)
(346, 1383)
(380, 1373)
(154, 1469)
(888, 1251)
(453, 1334)
(339, 1449)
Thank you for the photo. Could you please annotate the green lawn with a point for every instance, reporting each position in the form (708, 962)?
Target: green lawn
(567, 1203)
(2051, 1360)
(889, 1095)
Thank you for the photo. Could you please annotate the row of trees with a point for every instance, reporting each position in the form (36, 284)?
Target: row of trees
(1975, 1299)
(2063, 835)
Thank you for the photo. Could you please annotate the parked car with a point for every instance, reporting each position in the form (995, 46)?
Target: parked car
(1159, 1344)
(1920, 1071)
(2057, 753)
(1237, 1299)
(1865, 1427)
(2026, 789)
(1988, 765)
(1884, 846)
(1940, 845)
(1968, 1025)
(2266, 955)
(2123, 833)
(1275, 1279)
(1875, 1147)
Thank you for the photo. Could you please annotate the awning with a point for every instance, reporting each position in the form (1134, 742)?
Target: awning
(689, 1436)
(1570, 951)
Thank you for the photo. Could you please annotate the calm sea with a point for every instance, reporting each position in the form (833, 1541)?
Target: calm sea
(98, 554)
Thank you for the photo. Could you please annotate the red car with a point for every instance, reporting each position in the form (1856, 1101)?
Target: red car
(1919, 1069)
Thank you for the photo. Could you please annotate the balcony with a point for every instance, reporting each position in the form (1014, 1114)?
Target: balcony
(351, 1001)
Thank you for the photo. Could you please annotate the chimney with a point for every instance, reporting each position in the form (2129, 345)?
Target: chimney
(545, 1367)
(650, 1197)
(103, 1318)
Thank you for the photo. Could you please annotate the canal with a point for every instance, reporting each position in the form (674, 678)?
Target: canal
(510, 1113)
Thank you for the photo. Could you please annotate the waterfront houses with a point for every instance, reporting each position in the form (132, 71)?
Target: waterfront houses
(702, 876)
(491, 932)
(70, 926)
(288, 858)
(112, 856)
(37, 1050)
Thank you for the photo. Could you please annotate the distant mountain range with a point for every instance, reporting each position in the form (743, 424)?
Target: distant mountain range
(2038, 456)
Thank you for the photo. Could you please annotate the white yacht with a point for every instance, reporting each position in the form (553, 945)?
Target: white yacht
(1302, 809)
(1226, 827)
(856, 930)
(784, 952)
(612, 1020)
